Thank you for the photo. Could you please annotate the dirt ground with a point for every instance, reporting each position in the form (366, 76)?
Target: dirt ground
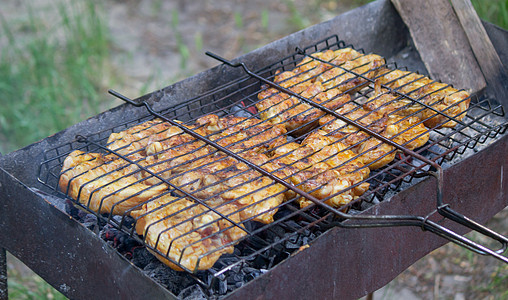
(161, 42)
(156, 43)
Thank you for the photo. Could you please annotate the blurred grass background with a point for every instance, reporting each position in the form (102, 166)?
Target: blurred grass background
(55, 73)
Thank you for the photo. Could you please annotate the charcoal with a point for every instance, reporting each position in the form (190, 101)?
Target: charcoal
(249, 270)
(210, 279)
(240, 111)
(292, 225)
(239, 284)
(259, 262)
(250, 276)
(72, 210)
(293, 246)
(219, 276)
(117, 219)
(275, 232)
(193, 292)
(226, 259)
(234, 278)
(168, 277)
(283, 212)
(129, 222)
(141, 257)
(89, 221)
(221, 286)
(119, 240)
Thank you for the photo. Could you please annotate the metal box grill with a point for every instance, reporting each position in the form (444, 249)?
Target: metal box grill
(264, 245)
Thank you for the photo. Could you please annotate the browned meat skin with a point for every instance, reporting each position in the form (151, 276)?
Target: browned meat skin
(206, 173)
(324, 168)
(187, 232)
(363, 66)
(440, 96)
(105, 187)
(319, 82)
(224, 179)
(407, 131)
(132, 140)
(294, 114)
(239, 133)
(310, 67)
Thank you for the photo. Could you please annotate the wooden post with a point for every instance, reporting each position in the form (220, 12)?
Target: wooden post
(486, 55)
(441, 42)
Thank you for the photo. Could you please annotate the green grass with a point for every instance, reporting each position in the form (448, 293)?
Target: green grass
(183, 50)
(39, 290)
(51, 73)
(494, 11)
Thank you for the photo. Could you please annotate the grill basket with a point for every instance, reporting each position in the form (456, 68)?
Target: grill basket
(262, 246)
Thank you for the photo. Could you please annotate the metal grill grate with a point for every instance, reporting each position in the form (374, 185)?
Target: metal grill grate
(189, 216)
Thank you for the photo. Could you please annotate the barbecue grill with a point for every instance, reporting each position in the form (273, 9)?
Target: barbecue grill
(423, 188)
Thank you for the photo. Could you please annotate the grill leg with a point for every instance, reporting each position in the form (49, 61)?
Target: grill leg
(3, 275)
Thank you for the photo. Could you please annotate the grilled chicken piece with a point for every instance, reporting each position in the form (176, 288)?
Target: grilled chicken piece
(446, 101)
(133, 140)
(410, 131)
(187, 232)
(407, 131)
(226, 180)
(371, 151)
(241, 134)
(105, 186)
(296, 115)
(319, 82)
(348, 134)
(310, 67)
(351, 75)
(324, 168)
(168, 154)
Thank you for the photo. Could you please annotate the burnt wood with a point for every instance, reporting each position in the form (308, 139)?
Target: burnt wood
(441, 42)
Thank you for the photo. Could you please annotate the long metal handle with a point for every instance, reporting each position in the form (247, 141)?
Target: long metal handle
(451, 214)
